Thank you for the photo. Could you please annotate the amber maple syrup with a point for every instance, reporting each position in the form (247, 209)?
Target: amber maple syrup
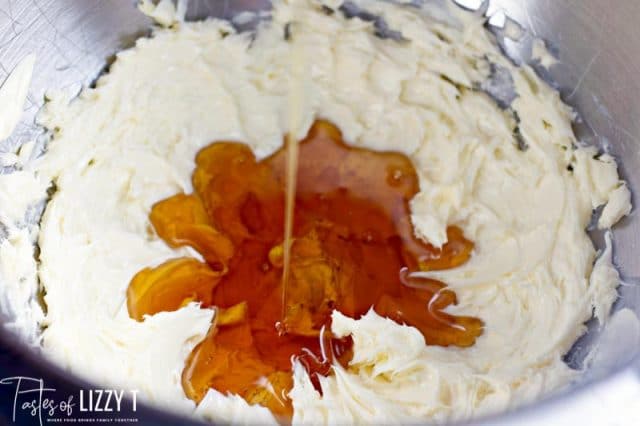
(352, 249)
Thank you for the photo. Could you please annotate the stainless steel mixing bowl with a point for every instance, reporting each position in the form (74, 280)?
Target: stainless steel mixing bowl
(598, 72)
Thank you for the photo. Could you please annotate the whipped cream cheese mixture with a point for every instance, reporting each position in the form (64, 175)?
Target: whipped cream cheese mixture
(515, 180)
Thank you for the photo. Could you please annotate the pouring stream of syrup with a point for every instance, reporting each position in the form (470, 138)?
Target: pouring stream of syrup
(298, 65)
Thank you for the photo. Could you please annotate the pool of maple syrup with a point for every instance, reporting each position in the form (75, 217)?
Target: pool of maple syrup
(353, 249)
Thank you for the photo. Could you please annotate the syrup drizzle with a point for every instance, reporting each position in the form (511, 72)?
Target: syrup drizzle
(352, 249)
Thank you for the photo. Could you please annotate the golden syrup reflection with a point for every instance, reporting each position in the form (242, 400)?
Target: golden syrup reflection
(353, 248)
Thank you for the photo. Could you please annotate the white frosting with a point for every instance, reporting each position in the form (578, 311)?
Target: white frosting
(540, 53)
(18, 280)
(232, 409)
(132, 140)
(603, 274)
(394, 379)
(164, 12)
(20, 192)
(618, 206)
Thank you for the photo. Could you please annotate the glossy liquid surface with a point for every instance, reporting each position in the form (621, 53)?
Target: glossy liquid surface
(353, 248)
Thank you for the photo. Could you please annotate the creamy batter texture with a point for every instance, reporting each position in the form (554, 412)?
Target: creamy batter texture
(516, 181)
